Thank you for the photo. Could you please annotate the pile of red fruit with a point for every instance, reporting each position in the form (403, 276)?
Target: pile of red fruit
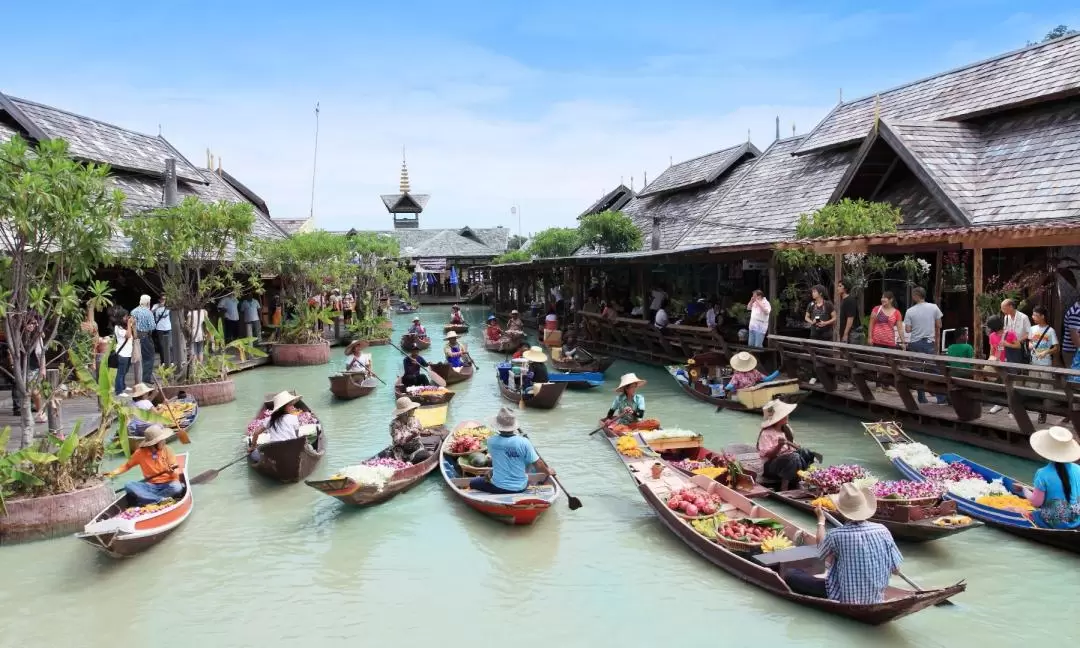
(464, 444)
(693, 502)
(743, 532)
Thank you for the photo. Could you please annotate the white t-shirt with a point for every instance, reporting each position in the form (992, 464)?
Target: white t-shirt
(122, 350)
(358, 364)
(197, 319)
(759, 315)
(657, 299)
(143, 404)
(287, 427)
(1019, 324)
(161, 318)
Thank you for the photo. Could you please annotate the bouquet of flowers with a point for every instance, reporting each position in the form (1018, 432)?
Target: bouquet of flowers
(906, 490)
(828, 481)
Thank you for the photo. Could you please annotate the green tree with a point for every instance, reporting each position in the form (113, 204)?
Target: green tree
(513, 256)
(193, 253)
(554, 242)
(307, 264)
(609, 231)
(515, 242)
(1057, 32)
(378, 271)
(57, 217)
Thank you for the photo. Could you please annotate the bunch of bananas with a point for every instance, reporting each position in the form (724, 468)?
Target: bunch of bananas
(628, 447)
(776, 542)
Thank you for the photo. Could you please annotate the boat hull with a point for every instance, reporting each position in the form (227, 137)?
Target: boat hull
(399, 391)
(460, 329)
(421, 342)
(346, 387)
(351, 493)
(448, 374)
(547, 398)
(600, 364)
(503, 345)
(132, 537)
(289, 461)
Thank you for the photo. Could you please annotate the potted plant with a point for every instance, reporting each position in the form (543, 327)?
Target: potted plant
(954, 271)
(208, 380)
(740, 313)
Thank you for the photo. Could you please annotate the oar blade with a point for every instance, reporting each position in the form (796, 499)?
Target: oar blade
(574, 502)
(206, 476)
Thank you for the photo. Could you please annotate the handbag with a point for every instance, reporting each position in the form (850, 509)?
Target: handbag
(114, 356)
(1018, 356)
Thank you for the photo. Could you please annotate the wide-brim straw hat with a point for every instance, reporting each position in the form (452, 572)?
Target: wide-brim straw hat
(281, 399)
(506, 421)
(416, 319)
(630, 379)
(855, 503)
(404, 405)
(1055, 444)
(452, 335)
(775, 411)
(743, 361)
(362, 344)
(154, 435)
(141, 389)
(535, 354)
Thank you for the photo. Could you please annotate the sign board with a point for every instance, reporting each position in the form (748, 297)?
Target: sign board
(754, 265)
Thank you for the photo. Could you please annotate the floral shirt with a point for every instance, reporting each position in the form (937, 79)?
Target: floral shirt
(406, 437)
(769, 439)
(743, 379)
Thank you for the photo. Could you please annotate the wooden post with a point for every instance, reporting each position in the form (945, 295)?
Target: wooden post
(939, 280)
(773, 291)
(838, 274)
(643, 290)
(976, 290)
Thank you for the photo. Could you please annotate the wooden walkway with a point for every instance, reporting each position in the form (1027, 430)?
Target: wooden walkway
(72, 410)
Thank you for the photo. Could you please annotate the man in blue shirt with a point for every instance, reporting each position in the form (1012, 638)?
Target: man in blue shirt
(511, 456)
(229, 308)
(251, 310)
(144, 331)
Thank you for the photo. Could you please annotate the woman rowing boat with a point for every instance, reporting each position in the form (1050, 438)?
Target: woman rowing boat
(628, 406)
(782, 458)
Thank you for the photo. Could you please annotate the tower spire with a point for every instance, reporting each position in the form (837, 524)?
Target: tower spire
(404, 173)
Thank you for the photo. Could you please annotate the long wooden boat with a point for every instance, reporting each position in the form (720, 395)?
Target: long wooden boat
(347, 386)
(750, 399)
(292, 460)
(763, 570)
(456, 328)
(546, 398)
(121, 536)
(451, 376)
(578, 380)
(890, 434)
(598, 363)
(513, 508)
(422, 341)
(502, 345)
(431, 399)
(353, 493)
(137, 427)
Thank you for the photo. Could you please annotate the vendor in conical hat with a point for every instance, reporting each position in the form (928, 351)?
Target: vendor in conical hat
(417, 329)
(776, 446)
(405, 432)
(141, 395)
(1056, 487)
(455, 351)
(160, 470)
(283, 424)
(455, 315)
(628, 406)
(746, 374)
(356, 361)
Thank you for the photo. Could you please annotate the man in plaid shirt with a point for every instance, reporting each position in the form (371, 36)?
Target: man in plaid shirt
(862, 554)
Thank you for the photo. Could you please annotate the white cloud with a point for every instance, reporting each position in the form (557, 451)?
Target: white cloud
(482, 133)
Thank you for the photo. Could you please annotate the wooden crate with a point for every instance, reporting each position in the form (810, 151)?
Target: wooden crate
(755, 397)
(915, 513)
(676, 443)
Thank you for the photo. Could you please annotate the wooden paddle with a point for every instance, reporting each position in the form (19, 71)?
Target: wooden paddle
(832, 520)
(573, 502)
(436, 378)
(181, 433)
(212, 474)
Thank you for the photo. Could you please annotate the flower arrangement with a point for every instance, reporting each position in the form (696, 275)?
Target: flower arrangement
(916, 270)
(973, 489)
(669, 433)
(828, 481)
(955, 269)
(689, 465)
(916, 455)
(306, 418)
(425, 389)
(906, 490)
(988, 302)
(949, 473)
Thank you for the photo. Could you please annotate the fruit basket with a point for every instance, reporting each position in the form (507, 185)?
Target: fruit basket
(473, 471)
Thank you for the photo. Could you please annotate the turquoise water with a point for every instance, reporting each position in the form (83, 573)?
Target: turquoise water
(262, 564)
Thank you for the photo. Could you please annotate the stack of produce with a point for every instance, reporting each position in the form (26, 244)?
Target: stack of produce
(827, 481)
(707, 526)
(906, 490)
(628, 447)
(690, 465)
(693, 502)
(480, 432)
(176, 411)
(462, 444)
(306, 418)
(767, 534)
(1007, 501)
(146, 509)
(824, 502)
(712, 472)
(373, 472)
(426, 390)
(669, 433)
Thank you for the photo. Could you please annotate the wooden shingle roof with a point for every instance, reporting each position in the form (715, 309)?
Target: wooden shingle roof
(613, 200)
(1037, 73)
(697, 172)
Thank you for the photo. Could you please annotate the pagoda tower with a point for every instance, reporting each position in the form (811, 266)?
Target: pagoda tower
(405, 205)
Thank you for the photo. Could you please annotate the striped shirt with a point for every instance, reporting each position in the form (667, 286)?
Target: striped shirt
(1072, 321)
(864, 555)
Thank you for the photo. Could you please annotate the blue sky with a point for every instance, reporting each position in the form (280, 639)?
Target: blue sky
(497, 103)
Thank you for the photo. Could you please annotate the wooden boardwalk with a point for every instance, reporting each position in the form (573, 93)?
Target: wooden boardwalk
(72, 410)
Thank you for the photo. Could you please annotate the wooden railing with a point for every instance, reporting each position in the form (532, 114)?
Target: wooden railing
(969, 385)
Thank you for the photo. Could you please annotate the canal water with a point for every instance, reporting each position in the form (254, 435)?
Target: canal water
(262, 564)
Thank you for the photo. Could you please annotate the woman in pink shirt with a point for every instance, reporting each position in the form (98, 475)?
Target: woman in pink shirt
(1000, 339)
(783, 459)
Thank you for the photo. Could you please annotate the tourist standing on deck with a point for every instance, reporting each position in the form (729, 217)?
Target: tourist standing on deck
(886, 324)
(124, 335)
(229, 309)
(144, 332)
(661, 319)
(851, 329)
(923, 322)
(820, 314)
(197, 323)
(163, 330)
(250, 308)
(1019, 324)
(1044, 345)
(760, 310)
(1070, 324)
(658, 296)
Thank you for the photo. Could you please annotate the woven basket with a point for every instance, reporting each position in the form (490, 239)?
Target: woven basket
(738, 545)
(469, 469)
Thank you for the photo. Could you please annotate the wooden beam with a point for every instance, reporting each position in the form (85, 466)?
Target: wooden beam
(884, 178)
(939, 280)
(838, 274)
(976, 290)
(773, 291)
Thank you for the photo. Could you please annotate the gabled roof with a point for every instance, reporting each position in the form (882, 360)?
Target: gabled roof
(765, 204)
(697, 172)
(406, 203)
(1041, 72)
(97, 141)
(291, 225)
(449, 243)
(250, 195)
(613, 200)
